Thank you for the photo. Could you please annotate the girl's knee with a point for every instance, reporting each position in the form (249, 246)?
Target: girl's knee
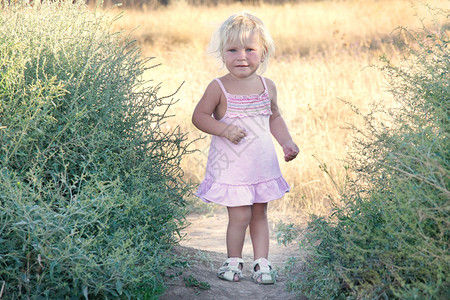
(259, 210)
(239, 216)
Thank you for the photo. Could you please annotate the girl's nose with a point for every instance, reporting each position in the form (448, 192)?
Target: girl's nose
(241, 54)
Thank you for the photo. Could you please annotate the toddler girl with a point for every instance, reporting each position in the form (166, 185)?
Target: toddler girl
(240, 111)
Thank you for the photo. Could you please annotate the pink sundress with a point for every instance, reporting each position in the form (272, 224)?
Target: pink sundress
(246, 173)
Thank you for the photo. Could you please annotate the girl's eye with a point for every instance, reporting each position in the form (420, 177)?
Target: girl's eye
(249, 49)
(231, 50)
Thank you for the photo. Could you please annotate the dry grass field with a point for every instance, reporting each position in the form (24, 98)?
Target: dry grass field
(323, 56)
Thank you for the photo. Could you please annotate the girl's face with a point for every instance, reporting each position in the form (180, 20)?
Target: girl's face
(243, 59)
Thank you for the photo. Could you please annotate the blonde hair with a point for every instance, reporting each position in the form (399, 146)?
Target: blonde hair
(238, 27)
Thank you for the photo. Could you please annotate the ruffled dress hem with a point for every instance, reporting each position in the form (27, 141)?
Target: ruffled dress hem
(242, 195)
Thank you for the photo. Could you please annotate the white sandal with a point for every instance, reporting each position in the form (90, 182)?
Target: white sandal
(231, 268)
(265, 274)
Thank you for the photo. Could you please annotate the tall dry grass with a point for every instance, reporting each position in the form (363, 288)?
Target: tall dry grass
(324, 50)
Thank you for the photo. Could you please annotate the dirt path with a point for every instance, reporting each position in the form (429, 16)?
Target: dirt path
(205, 249)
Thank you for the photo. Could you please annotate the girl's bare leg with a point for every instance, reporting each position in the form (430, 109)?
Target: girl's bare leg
(259, 230)
(238, 220)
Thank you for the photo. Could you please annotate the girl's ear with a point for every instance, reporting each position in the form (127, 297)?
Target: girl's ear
(263, 56)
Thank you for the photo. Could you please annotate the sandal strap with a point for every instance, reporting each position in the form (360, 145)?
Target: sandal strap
(263, 263)
(232, 264)
(233, 261)
(225, 269)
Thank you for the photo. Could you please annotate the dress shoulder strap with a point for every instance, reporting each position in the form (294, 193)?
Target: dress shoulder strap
(221, 86)
(264, 83)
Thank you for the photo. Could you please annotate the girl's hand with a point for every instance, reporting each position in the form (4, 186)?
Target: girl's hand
(234, 134)
(290, 150)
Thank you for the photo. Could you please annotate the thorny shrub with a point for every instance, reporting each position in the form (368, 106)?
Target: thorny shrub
(389, 237)
(91, 191)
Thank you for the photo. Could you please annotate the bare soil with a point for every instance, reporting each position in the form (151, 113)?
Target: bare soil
(205, 250)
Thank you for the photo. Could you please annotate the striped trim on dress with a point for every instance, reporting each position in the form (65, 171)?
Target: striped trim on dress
(247, 105)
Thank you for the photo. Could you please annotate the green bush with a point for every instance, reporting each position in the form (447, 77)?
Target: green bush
(389, 237)
(91, 191)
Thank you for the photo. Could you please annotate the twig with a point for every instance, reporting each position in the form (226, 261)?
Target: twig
(3, 288)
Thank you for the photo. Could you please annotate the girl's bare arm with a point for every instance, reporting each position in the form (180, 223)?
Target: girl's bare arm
(203, 118)
(278, 127)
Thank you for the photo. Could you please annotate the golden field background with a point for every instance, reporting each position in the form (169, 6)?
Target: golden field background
(324, 51)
